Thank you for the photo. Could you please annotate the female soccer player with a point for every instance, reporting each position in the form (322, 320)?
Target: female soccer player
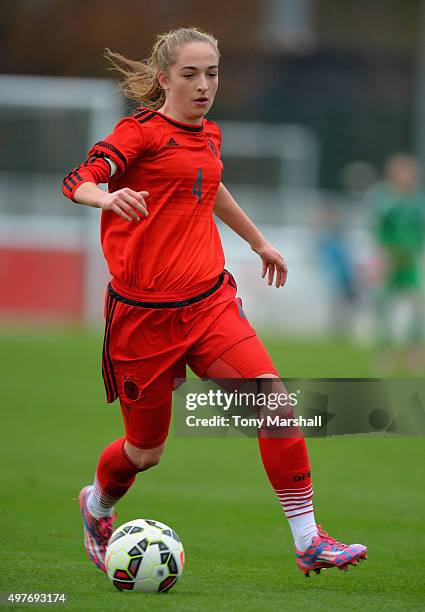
(170, 301)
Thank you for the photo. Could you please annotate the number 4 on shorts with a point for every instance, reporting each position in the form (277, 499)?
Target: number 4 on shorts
(197, 187)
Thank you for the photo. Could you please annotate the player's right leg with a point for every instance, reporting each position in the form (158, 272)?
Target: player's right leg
(147, 422)
(139, 366)
(116, 471)
(143, 381)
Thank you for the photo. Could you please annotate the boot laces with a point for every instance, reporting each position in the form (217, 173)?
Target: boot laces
(328, 539)
(106, 526)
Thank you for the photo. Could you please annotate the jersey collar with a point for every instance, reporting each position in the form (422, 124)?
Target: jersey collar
(189, 127)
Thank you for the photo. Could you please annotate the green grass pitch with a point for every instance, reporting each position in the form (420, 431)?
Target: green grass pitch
(238, 546)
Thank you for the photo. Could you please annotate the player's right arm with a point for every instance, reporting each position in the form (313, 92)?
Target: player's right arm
(126, 203)
(107, 158)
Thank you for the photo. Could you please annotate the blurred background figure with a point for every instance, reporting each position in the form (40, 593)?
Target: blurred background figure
(398, 212)
(338, 269)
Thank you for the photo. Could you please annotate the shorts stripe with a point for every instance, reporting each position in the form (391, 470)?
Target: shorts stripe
(105, 372)
(114, 385)
(107, 367)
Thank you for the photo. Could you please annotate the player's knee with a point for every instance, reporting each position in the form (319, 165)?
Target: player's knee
(144, 458)
(271, 384)
(267, 376)
(145, 463)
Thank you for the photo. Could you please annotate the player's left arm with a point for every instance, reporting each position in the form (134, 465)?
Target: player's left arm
(227, 209)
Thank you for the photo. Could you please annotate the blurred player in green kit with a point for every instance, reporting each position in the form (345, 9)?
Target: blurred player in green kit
(399, 214)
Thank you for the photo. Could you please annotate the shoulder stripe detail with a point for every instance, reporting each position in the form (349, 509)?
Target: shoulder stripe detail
(107, 145)
(147, 118)
(139, 114)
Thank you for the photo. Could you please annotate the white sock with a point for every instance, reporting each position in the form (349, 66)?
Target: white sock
(304, 528)
(297, 505)
(98, 504)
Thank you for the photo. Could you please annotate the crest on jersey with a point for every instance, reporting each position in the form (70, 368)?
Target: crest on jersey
(212, 146)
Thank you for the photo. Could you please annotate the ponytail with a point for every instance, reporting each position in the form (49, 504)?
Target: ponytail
(139, 78)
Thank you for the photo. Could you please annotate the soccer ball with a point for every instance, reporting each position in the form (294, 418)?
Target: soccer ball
(145, 556)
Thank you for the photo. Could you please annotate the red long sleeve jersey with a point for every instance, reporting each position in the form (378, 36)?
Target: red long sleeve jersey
(175, 252)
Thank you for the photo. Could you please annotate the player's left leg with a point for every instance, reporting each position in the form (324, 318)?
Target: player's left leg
(287, 465)
(227, 347)
(286, 462)
(285, 458)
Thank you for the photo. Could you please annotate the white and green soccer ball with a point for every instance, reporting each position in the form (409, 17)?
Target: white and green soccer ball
(145, 556)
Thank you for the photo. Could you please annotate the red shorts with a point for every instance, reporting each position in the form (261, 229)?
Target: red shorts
(147, 347)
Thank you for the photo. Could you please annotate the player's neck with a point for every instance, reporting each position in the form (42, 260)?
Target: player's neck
(172, 114)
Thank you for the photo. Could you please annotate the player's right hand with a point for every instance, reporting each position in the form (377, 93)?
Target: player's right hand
(126, 203)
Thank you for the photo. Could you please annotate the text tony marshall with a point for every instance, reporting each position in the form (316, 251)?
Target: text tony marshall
(237, 420)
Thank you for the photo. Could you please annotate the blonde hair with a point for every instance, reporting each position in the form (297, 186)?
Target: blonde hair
(140, 77)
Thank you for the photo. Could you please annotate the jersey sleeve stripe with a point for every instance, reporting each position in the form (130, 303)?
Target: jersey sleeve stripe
(95, 157)
(110, 147)
(96, 169)
(74, 177)
(67, 185)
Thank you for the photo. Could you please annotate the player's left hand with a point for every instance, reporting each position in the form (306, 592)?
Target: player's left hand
(273, 262)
